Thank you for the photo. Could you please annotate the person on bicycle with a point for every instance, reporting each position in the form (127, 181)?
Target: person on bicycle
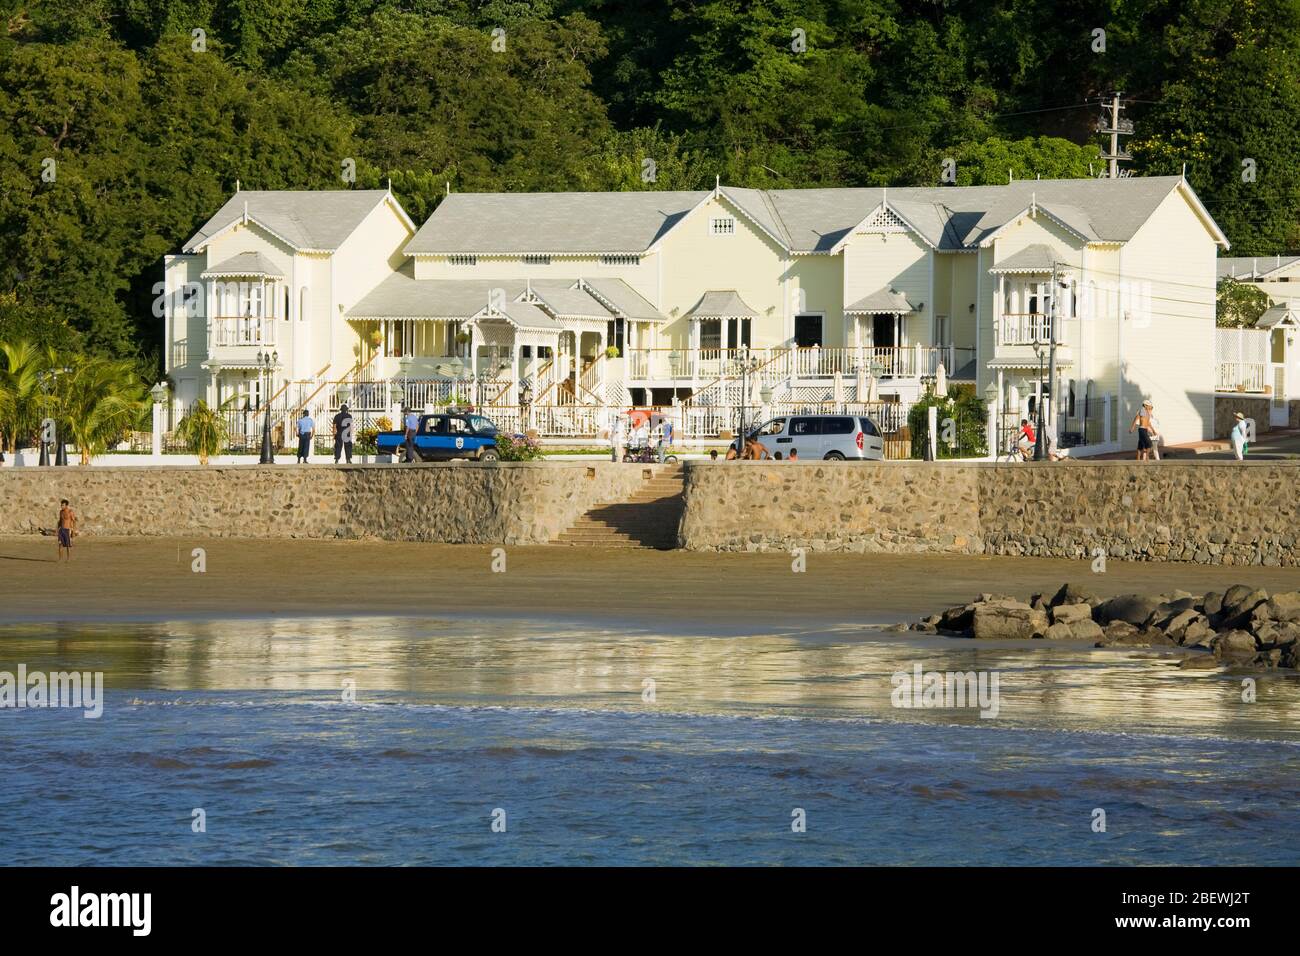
(1025, 439)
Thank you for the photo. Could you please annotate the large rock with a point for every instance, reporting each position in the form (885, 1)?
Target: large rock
(1086, 630)
(957, 620)
(1069, 613)
(1284, 607)
(1235, 647)
(1199, 662)
(1236, 593)
(1059, 632)
(1167, 611)
(1008, 621)
(1238, 613)
(1069, 594)
(1176, 627)
(1212, 603)
(1198, 634)
(1132, 609)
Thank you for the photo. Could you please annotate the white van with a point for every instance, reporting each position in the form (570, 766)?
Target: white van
(829, 437)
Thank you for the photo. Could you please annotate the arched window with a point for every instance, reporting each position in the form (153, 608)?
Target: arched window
(304, 304)
(286, 304)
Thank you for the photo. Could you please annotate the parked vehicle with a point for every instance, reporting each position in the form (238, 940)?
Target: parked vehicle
(444, 436)
(829, 437)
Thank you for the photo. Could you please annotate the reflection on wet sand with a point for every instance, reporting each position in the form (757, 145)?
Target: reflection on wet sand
(844, 673)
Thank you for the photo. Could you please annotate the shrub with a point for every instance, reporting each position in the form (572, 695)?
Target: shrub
(969, 418)
(518, 448)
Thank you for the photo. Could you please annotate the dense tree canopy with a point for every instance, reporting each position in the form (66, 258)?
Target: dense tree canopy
(125, 123)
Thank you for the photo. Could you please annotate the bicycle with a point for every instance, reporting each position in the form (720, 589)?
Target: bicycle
(1012, 453)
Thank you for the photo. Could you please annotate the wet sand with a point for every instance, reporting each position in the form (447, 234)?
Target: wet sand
(151, 579)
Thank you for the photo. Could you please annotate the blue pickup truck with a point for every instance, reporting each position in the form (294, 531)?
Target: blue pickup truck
(445, 436)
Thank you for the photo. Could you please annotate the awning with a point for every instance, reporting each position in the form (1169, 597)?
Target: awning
(1286, 315)
(724, 304)
(887, 301)
(244, 265)
(1035, 258)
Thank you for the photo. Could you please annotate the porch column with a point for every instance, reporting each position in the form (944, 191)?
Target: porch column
(473, 349)
(997, 309)
(513, 395)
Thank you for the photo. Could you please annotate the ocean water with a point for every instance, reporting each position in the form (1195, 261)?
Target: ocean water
(402, 741)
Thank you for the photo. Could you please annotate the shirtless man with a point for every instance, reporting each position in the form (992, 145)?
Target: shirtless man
(67, 528)
(1144, 422)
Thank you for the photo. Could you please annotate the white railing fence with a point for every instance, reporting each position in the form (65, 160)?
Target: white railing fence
(1241, 359)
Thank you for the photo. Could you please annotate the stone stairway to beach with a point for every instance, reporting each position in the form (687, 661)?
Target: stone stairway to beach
(648, 519)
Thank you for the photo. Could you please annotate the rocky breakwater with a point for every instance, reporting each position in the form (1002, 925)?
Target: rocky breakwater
(1243, 627)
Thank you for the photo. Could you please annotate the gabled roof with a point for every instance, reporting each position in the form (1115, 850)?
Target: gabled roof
(1033, 258)
(722, 304)
(558, 223)
(623, 299)
(522, 315)
(887, 300)
(1253, 267)
(400, 296)
(244, 264)
(1285, 314)
(803, 221)
(561, 297)
(317, 220)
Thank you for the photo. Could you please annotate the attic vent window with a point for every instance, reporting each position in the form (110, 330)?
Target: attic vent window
(466, 260)
(884, 220)
(723, 226)
(620, 260)
(537, 260)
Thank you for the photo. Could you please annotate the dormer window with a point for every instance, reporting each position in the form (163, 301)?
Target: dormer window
(463, 260)
(537, 260)
(722, 226)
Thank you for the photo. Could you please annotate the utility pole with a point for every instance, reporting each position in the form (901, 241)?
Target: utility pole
(1115, 126)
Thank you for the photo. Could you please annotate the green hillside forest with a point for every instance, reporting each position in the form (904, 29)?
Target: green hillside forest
(124, 124)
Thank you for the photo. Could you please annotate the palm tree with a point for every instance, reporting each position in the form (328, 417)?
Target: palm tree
(99, 400)
(204, 429)
(20, 392)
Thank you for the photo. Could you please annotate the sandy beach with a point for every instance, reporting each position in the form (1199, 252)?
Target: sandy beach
(151, 578)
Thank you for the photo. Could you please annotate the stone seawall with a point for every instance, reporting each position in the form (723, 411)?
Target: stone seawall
(1205, 512)
(462, 503)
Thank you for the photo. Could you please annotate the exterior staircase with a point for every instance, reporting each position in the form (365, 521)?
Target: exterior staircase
(648, 519)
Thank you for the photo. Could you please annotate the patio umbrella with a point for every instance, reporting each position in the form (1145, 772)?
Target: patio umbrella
(941, 381)
(860, 388)
(837, 388)
(873, 394)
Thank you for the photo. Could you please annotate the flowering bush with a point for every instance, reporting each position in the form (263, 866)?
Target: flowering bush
(518, 448)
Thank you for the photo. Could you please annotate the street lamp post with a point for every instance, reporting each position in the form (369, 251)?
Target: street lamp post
(1038, 406)
(748, 366)
(267, 362)
(159, 395)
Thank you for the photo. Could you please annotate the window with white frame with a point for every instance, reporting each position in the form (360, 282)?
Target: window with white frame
(620, 260)
(722, 226)
(537, 260)
(463, 260)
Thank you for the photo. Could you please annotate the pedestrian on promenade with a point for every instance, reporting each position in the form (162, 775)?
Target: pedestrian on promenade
(1240, 432)
(1142, 421)
(665, 439)
(67, 528)
(343, 434)
(794, 454)
(410, 423)
(713, 454)
(306, 428)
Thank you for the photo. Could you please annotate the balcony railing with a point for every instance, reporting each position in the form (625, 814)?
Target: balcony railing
(1242, 376)
(241, 330)
(1025, 328)
(783, 362)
